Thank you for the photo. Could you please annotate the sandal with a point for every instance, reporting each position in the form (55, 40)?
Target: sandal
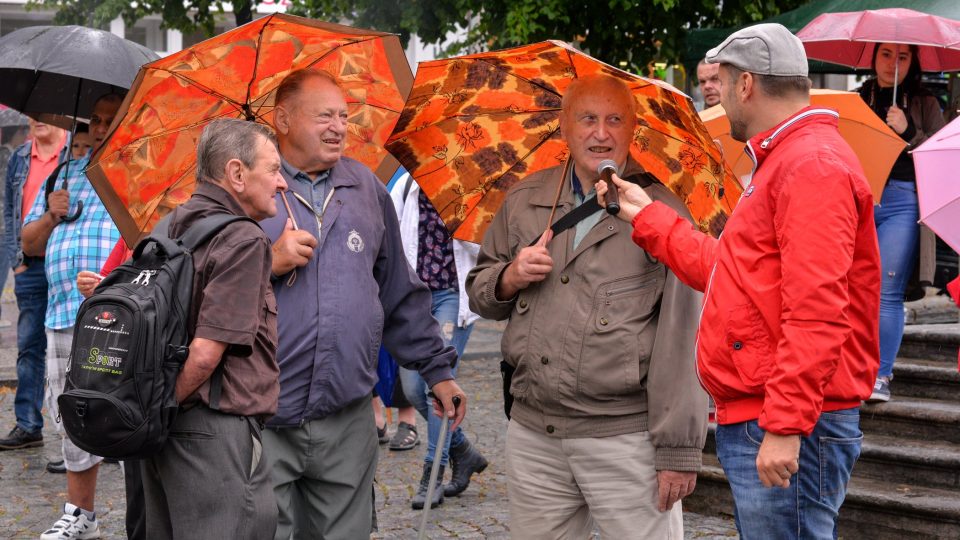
(406, 437)
(382, 434)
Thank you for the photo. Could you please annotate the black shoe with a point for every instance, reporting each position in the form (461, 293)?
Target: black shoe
(465, 461)
(421, 497)
(19, 438)
(56, 467)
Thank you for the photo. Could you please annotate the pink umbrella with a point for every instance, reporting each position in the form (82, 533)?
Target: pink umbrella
(849, 38)
(937, 187)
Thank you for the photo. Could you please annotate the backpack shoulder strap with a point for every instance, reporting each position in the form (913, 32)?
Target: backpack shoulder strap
(202, 231)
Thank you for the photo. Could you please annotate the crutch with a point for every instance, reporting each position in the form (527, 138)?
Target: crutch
(435, 468)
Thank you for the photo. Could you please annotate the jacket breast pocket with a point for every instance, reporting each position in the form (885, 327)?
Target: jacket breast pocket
(749, 345)
(617, 341)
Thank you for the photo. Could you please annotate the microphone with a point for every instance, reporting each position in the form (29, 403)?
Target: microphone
(606, 169)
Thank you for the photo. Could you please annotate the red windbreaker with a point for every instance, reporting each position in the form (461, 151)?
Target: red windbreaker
(790, 323)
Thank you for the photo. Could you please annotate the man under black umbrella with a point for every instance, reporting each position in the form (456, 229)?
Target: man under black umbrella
(69, 247)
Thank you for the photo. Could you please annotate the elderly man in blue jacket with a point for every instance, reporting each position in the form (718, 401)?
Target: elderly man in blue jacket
(342, 283)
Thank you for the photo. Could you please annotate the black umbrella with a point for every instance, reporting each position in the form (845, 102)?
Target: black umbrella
(56, 73)
(11, 118)
(62, 70)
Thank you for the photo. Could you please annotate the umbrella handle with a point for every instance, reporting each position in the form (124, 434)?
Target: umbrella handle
(73, 133)
(76, 215)
(48, 189)
(896, 78)
(69, 218)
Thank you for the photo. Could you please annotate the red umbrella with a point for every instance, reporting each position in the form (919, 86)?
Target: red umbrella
(849, 38)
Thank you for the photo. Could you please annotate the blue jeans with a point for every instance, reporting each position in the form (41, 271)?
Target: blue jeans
(446, 305)
(30, 287)
(809, 507)
(898, 234)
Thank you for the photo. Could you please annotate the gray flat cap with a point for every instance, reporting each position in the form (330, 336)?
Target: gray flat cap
(764, 49)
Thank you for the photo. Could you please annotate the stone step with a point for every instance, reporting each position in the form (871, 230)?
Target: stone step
(875, 509)
(932, 379)
(932, 341)
(925, 463)
(913, 419)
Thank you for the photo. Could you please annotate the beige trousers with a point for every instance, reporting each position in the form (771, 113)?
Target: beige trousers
(562, 488)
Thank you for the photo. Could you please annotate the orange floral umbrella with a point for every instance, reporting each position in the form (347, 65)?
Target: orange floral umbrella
(147, 165)
(475, 125)
(875, 144)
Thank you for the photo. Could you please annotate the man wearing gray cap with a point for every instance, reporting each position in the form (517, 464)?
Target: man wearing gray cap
(788, 342)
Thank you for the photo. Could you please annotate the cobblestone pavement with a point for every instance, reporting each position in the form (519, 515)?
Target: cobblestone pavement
(31, 499)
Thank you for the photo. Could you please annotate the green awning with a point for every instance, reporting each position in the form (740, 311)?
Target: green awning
(702, 40)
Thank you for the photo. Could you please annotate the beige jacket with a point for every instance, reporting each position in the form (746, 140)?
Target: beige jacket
(605, 345)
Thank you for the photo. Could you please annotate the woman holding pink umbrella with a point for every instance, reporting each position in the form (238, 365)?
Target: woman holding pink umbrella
(897, 96)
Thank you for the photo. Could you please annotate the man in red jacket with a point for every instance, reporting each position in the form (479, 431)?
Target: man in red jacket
(788, 343)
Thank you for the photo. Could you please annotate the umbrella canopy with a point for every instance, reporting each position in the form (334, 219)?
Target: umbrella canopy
(55, 73)
(147, 165)
(11, 118)
(876, 145)
(937, 187)
(475, 125)
(699, 41)
(849, 38)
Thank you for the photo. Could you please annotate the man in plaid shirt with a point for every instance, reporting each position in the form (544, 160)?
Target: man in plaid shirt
(71, 246)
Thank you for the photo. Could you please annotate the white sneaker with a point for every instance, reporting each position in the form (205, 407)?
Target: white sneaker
(72, 525)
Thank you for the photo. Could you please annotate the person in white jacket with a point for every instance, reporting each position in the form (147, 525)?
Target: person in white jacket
(442, 262)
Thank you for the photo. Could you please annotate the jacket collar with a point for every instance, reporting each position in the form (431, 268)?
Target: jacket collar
(762, 144)
(219, 196)
(547, 191)
(340, 173)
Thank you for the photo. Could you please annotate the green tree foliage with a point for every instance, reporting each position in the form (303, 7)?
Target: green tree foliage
(629, 33)
(185, 15)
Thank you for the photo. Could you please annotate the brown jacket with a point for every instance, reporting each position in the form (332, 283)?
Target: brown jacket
(605, 345)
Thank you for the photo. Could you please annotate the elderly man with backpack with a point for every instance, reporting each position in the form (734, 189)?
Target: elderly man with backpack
(209, 479)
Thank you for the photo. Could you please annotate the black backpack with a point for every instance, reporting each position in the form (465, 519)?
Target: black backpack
(130, 342)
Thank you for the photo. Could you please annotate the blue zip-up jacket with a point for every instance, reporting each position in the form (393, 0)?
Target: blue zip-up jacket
(356, 288)
(17, 170)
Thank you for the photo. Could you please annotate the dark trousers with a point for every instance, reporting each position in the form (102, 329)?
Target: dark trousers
(136, 507)
(209, 480)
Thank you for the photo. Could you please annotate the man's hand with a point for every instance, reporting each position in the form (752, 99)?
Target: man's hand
(633, 198)
(59, 202)
(444, 391)
(778, 459)
(87, 281)
(673, 485)
(896, 119)
(292, 250)
(532, 264)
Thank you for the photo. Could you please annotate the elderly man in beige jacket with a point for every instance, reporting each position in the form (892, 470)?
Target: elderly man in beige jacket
(609, 419)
